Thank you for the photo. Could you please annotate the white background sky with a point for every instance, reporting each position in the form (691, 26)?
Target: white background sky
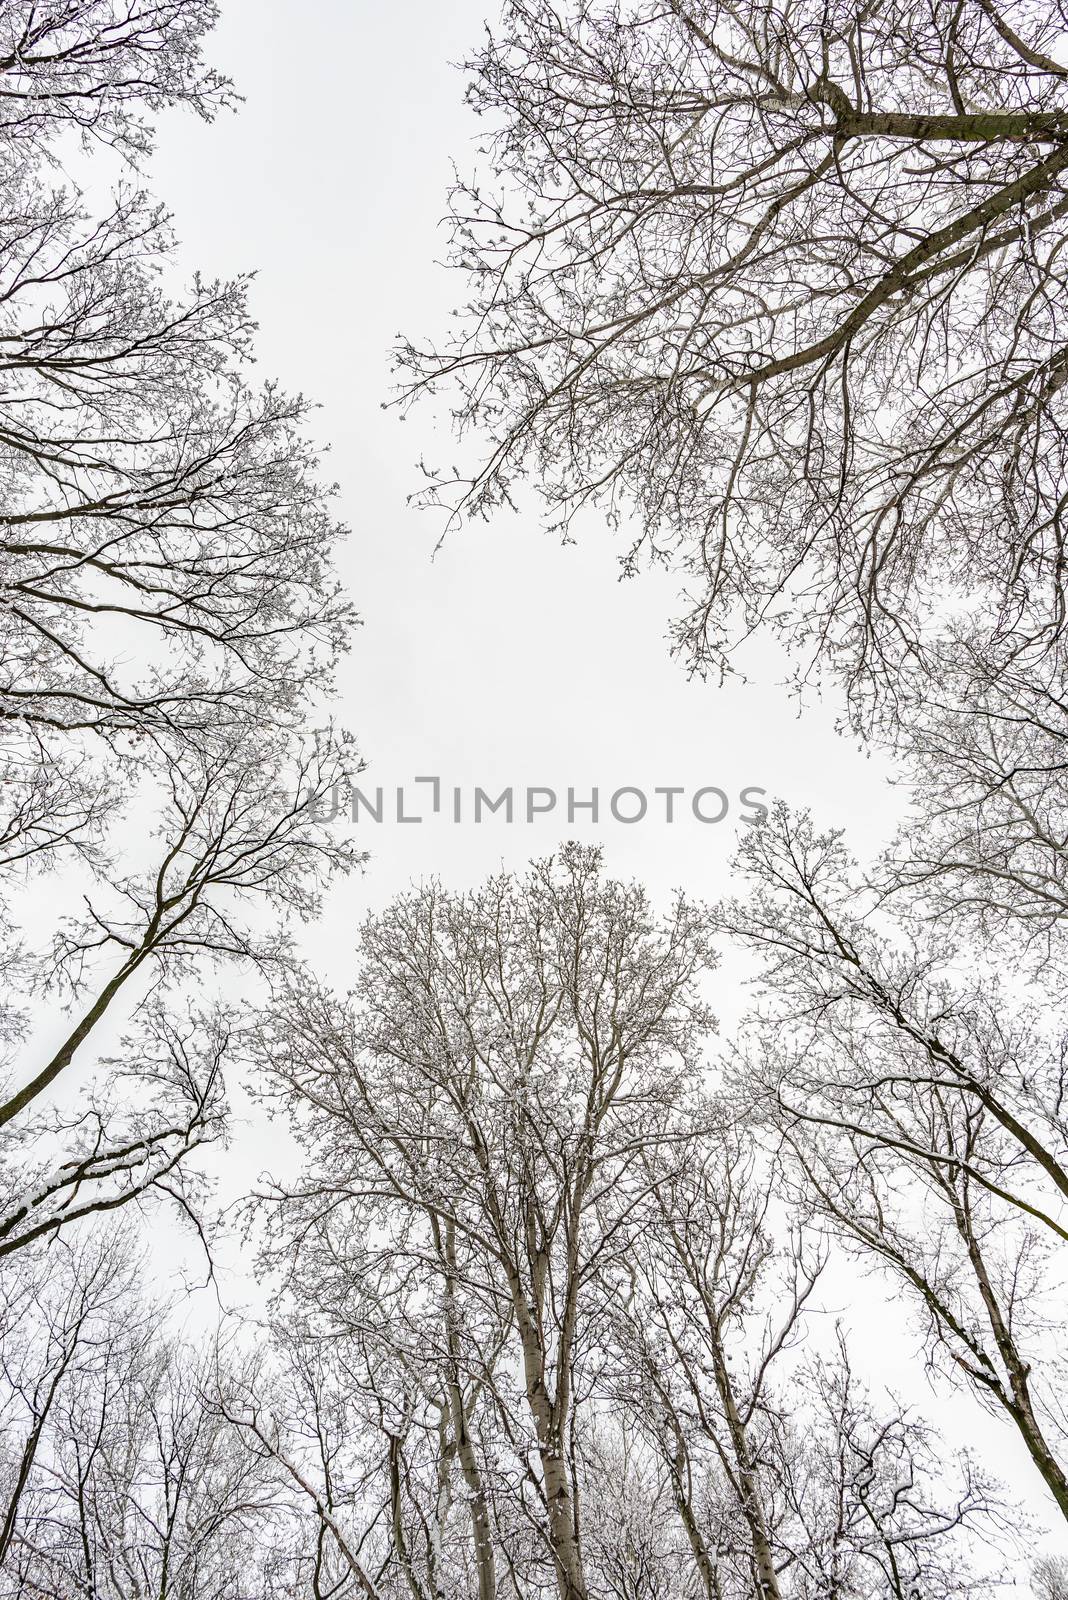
(508, 659)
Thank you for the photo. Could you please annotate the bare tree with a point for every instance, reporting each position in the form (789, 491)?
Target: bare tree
(541, 1265)
(236, 829)
(150, 495)
(365, 1520)
(868, 1503)
(923, 1116)
(53, 1320)
(697, 1296)
(69, 1166)
(783, 1476)
(97, 67)
(228, 849)
(985, 746)
(634, 1546)
(480, 1119)
(784, 281)
(129, 1483)
(168, 611)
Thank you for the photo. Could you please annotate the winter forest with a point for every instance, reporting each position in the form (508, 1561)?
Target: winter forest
(528, 1233)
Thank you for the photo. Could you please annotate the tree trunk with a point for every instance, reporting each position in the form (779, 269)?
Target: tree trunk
(550, 1429)
(481, 1524)
(767, 1582)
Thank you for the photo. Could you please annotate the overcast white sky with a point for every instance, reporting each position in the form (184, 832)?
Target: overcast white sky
(508, 659)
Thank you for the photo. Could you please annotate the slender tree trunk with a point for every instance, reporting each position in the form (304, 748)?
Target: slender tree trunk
(1018, 1403)
(706, 1567)
(400, 1543)
(767, 1581)
(570, 1578)
(65, 1054)
(481, 1523)
(26, 1460)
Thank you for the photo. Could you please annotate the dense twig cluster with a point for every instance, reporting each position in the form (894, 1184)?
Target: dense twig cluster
(783, 282)
(166, 610)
